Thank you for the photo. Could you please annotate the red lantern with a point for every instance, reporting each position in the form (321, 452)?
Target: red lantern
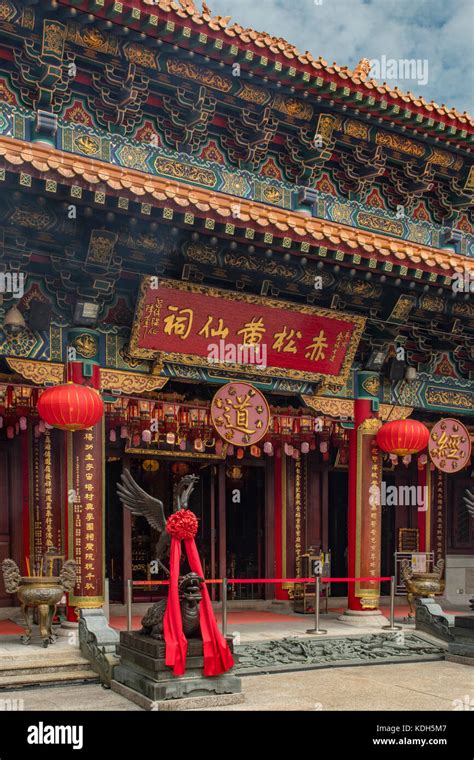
(403, 437)
(70, 407)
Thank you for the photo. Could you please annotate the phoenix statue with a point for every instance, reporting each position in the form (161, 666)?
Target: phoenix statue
(134, 498)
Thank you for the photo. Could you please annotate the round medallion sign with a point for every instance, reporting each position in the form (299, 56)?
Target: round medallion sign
(449, 445)
(240, 414)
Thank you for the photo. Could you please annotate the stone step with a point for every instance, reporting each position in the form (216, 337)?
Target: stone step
(36, 658)
(71, 654)
(38, 666)
(38, 679)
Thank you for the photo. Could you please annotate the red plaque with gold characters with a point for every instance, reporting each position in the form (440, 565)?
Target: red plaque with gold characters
(240, 414)
(449, 445)
(183, 322)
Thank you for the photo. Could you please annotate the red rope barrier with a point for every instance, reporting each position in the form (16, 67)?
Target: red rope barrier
(301, 580)
(231, 581)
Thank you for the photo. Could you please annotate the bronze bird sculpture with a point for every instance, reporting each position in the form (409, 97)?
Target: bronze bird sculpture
(134, 498)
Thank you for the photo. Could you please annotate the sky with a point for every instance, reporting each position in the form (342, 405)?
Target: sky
(438, 34)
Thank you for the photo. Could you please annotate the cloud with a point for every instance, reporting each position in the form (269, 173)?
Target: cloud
(438, 31)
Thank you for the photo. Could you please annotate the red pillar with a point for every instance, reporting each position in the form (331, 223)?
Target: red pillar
(424, 514)
(364, 518)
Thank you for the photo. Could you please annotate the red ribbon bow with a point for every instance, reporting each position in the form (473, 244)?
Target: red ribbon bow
(182, 526)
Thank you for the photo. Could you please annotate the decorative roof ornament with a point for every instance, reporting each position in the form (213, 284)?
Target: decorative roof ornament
(188, 5)
(362, 70)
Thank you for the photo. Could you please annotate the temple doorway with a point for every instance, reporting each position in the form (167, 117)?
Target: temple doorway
(337, 533)
(11, 515)
(245, 528)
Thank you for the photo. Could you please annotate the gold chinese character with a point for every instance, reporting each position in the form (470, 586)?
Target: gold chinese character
(240, 407)
(252, 331)
(448, 447)
(213, 332)
(179, 323)
(284, 340)
(315, 351)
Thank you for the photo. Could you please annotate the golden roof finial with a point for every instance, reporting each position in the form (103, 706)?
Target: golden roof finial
(362, 70)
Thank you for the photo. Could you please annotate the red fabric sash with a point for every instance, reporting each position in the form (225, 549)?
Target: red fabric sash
(217, 656)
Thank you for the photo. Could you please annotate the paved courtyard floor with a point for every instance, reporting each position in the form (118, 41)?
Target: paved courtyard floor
(437, 686)
(440, 685)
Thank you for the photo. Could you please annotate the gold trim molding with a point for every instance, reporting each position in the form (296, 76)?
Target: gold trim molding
(131, 382)
(389, 412)
(344, 407)
(53, 372)
(164, 454)
(38, 372)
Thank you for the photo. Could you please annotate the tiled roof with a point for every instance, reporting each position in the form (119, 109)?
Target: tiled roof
(49, 163)
(284, 50)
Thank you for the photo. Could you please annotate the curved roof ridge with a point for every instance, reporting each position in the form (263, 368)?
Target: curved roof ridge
(279, 45)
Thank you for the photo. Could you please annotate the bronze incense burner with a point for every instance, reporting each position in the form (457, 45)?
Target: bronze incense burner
(421, 585)
(41, 591)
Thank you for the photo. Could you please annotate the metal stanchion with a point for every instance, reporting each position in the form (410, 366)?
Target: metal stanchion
(317, 631)
(129, 605)
(224, 606)
(392, 626)
(106, 599)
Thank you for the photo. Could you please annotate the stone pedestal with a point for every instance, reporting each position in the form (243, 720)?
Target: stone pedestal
(142, 669)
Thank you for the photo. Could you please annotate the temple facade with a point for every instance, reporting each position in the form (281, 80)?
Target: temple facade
(188, 207)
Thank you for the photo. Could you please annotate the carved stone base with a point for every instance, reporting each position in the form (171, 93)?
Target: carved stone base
(142, 668)
(98, 642)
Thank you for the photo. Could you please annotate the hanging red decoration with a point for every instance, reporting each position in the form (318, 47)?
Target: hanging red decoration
(70, 407)
(403, 437)
(180, 468)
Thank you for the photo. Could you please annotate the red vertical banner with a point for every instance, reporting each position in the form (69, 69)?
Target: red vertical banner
(86, 515)
(424, 510)
(46, 493)
(279, 592)
(439, 522)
